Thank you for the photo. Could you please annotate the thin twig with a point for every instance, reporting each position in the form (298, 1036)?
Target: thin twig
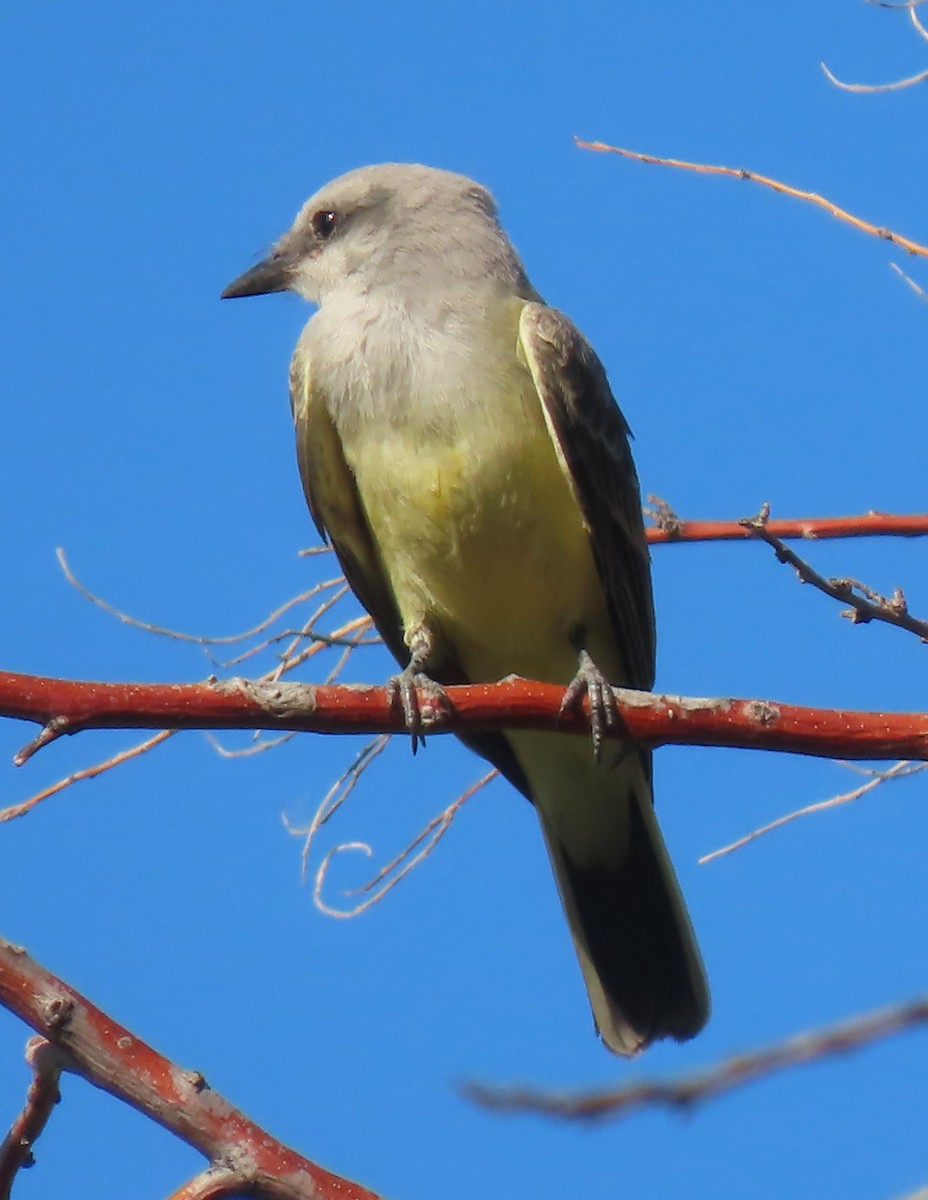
(292, 658)
(900, 770)
(177, 635)
(115, 760)
(401, 865)
(18, 810)
(336, 796)
(912, 7)
(916, 288)
(260, 746)
(893, 86)
(870, 606)
(683, 1094)
(887, 235)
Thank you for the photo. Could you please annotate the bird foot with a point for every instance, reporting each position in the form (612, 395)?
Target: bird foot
(412, 685)
(592, 683)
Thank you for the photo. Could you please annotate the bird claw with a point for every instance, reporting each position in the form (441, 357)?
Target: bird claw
(408, 686)
(592, 683)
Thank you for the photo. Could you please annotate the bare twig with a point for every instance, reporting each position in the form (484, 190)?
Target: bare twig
(336, 796)
(258, 746)
(399, 867)
(896, 84)
(349, 632)
(916, 288)
(899, 771)
(893, 86)
(115, 760)
(16, 1148)
(866, 604)
(110, 1057)
(920, 1194)
(887, 235)
(196, 638)
(684, 1093)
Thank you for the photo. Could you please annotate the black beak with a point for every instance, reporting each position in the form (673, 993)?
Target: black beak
(272, 274)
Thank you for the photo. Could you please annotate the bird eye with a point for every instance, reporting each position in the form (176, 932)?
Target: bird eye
(324, 223)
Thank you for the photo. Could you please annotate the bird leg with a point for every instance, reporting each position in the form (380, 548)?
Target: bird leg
(412, 680)
(592, 683)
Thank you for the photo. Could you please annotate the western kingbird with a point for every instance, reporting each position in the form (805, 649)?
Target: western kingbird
(460, 448)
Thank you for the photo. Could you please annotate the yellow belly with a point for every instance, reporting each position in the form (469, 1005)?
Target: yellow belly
(484, 543)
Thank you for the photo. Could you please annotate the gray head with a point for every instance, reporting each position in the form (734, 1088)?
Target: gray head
(394, 225)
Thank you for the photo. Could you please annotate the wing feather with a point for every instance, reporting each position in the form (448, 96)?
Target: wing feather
(591, 439)
(335, 505)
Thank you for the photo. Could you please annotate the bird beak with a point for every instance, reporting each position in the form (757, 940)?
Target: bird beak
(272, 274)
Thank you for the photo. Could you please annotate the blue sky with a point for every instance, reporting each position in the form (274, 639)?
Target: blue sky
(760, 350)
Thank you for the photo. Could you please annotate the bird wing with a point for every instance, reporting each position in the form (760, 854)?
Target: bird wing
(591, 439)
(339, 515)
(335, 505)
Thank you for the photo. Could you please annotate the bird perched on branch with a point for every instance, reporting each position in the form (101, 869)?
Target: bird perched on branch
(461, 449)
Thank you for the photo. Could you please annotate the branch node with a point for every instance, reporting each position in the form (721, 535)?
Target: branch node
(58, 1012)
(57, 727)
(275, 697)
(763, 712)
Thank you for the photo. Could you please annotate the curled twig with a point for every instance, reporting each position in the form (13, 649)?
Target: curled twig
(177, 635)
(892, 86)
(400, 866)
(895, 84)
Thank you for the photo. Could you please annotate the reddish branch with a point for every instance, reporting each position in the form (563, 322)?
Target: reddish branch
(245, 1159)
(16, 1148)
(866, 604)
(672, 529)
(67, 706)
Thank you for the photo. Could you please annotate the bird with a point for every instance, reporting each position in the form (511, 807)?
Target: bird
(460, 448)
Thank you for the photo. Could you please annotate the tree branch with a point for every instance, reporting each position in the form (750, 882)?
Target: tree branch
(68, 706)
(866, 604)
(110, 1057)
(726, 1076)
(16, 1148)
(671, 528)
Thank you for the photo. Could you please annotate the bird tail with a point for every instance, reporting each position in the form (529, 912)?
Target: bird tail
(627, 917)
